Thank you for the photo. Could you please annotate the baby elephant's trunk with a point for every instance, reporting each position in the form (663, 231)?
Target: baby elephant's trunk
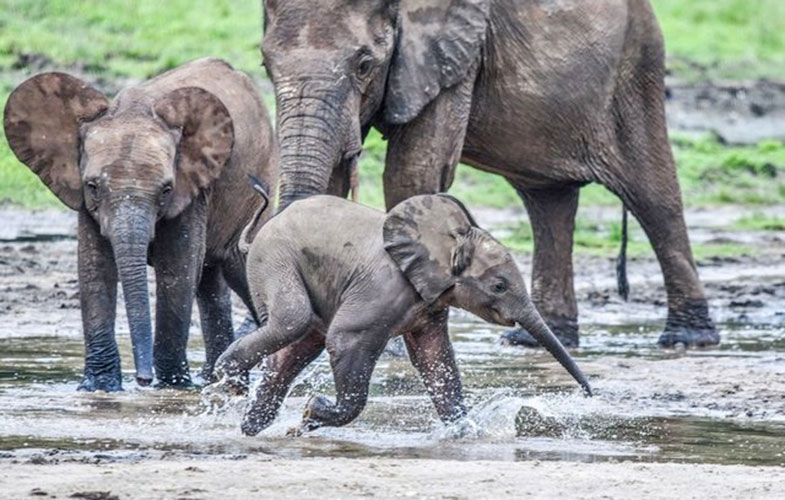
(531, 320)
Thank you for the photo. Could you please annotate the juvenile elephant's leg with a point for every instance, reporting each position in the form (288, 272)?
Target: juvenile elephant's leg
(98, 297)
(280, 370)
(431, 353)
(177, 255)
(552, 215)
(234, 273)
(215, 311)
(422, 154)
(353, 355)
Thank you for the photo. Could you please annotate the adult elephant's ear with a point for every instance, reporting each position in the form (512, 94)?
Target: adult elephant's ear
(41, 122)
(428, 237)
(206, 141)
(438, 41)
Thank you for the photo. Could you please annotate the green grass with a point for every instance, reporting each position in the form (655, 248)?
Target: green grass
(760, 222)
(604, 240)
(725, 39)
(711, 173)
(136, 38)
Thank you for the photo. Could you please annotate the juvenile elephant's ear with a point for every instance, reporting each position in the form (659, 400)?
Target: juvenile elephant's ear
(438, 42)
(42, 119)
(427, 236)
(206, 141)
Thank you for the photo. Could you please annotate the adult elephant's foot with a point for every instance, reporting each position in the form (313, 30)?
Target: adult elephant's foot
(107, 382)
(691, 326)
(566, 330)
(177, 380)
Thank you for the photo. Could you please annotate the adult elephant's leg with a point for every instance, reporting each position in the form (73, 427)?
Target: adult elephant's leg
(644, 177)
(98, 297)
(422, 154)
(215, 312)
(177, 255)
(280, 370)
(552, 215)
(654, 198)
(431, 353)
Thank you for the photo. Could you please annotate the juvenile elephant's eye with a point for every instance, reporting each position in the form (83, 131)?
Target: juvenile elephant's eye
(499, 287)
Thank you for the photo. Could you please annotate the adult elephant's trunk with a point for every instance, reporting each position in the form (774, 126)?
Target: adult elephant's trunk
(531, 320)
(316, 133)
(130, 236)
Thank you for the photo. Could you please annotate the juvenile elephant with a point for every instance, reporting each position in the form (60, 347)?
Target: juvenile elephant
(351, 291)
(158, 176)
(550, 94)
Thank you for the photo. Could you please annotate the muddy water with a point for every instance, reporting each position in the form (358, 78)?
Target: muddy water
(722, 406)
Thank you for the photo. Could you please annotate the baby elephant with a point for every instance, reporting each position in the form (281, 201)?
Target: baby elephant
(158, 176)
(335, 274)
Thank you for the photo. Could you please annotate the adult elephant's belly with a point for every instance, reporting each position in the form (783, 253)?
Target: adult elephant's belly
(542, 106)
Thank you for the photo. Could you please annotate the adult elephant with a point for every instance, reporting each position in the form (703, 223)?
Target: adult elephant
(550, 94)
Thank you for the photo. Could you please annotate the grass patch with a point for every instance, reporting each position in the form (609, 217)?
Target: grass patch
(603, 239)
(138, 38)
(723, 39)
(759, 222)
(711, 173)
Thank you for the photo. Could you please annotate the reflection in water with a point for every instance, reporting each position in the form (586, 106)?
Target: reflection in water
(650, 405)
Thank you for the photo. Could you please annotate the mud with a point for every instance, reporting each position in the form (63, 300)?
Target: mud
(736, 113)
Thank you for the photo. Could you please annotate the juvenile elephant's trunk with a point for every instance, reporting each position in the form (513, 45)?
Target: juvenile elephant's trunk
(531, 320)
(130, 236)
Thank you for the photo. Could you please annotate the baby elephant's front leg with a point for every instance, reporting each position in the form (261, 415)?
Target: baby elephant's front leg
(431, 353)
(353, 357)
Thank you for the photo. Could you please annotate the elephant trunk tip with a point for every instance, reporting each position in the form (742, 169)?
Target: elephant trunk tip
(586, 388)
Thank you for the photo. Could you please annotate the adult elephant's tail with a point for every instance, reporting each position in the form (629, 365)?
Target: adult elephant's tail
(622, 284)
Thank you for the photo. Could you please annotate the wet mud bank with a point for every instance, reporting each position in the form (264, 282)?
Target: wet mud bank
(384, 478)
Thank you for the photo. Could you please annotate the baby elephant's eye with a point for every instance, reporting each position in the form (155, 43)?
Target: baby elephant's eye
(500, 286)
(92, 188)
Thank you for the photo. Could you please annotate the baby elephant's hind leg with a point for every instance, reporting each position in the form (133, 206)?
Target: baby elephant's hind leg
(280, 370)
(290, 320)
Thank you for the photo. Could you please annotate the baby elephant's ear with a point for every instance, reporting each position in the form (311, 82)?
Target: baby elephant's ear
(423, 235)
(42, 119)
(206, 141)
